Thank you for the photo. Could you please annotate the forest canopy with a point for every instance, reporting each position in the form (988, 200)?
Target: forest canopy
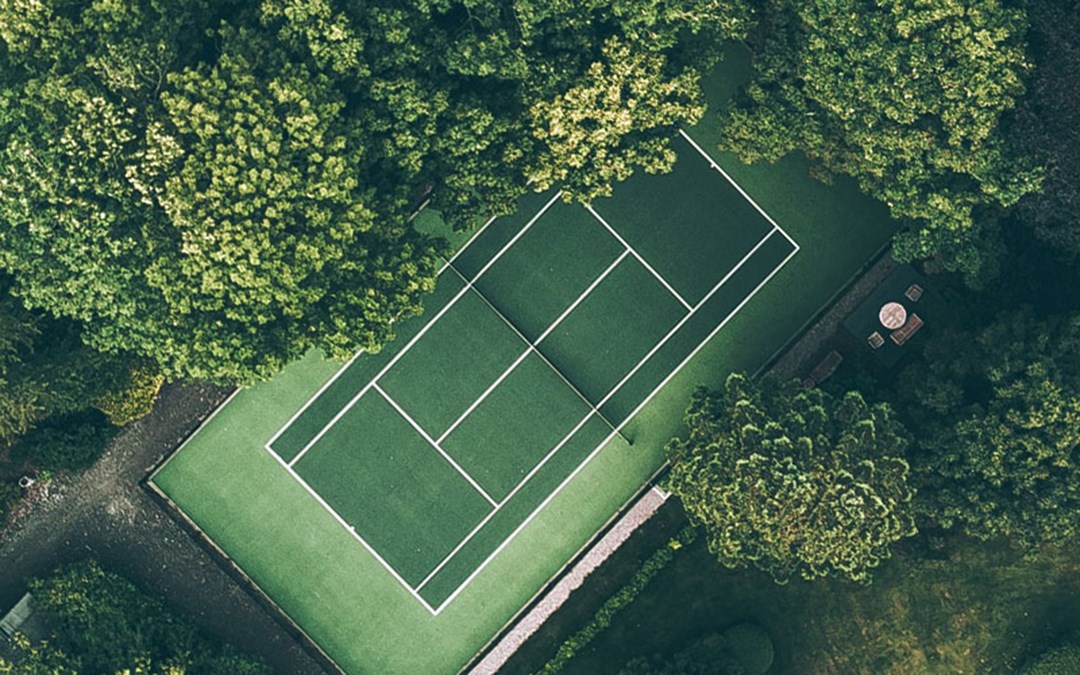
(907, 98)
(220, 187)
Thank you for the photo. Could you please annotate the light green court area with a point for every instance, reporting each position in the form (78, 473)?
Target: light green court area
(403, 507)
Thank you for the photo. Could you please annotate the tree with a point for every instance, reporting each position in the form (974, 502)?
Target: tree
(41, 658)
(1060, 660)
(104, 624)
(793, 482)
(742, 649)
(212, 220)
(1000, 421)
(620, 118)
(220, 188)
(1044, 126)
(45, 369)
(906, 97)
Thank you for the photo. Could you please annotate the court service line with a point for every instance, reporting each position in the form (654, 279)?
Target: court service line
(345, 366)
(612, 434)
(532, 346)
(419, 429)
(638, 256)
(581, 423)
(352, 530)
(686, 318)
(408, 345)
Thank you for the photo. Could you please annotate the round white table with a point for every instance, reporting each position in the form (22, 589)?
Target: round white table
(892, 315)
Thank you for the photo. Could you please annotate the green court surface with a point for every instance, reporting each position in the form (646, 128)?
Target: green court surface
(540, 332)
(404, 506)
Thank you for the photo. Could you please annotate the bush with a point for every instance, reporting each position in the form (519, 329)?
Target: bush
(1061, 660)
(750, 645)
(69, 442)
(134, 398)
(106, 625)
(615, 604)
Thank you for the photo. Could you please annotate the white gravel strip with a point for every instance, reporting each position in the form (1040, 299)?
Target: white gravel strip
(573, 579)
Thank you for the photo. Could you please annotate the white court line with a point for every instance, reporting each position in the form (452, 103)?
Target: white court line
(532, 346)
(326, 385)
(471, 239)
(716, 165)
(686, 318)
(198, 430)
(610, 436)
(408, 418)
(277, 434)
(581, 423)
(615, 430)
(352, 531)
(638, 256)
(468, 286)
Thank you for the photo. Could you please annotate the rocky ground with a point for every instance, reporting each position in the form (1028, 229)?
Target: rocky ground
(105, 513)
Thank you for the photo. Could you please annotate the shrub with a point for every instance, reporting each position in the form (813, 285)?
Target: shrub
(615, 604)
(134, 398)
(107, 625)
(1061, 660)
(750, 645)
(69, 442)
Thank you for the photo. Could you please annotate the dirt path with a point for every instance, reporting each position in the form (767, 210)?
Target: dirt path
(106, 514)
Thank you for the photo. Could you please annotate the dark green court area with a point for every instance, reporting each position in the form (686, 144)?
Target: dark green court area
(546, 333)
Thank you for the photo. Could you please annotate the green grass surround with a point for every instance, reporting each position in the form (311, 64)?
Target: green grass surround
(239, 494)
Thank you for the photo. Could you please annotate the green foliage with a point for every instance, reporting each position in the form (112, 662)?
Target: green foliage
(45, 370)
(793, 481)
(999, 432)
(66, 442)
(621, 117)
(1045, 124)
(751, 647)
(106, 626)
(617, 602)
(219, 191)
(1061, 660)
(906, 97)
(133, 398)
(41, 658)
(709, 655)
(742, 649)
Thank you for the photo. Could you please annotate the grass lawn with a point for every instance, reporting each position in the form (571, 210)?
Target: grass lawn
(340, 592)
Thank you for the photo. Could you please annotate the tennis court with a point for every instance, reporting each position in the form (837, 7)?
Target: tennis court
(546, 333)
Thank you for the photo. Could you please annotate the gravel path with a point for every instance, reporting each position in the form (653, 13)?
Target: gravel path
(106, 514)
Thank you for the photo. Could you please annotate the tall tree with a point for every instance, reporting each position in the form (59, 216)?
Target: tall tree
(222, 187)
(793, 482)
(1045, 124)
(45, 370)
(101, 623)
(999, 414)
(906, 97)
(211, 219)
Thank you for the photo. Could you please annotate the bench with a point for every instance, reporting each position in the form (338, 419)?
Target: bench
(904, 333)
(826, 367)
